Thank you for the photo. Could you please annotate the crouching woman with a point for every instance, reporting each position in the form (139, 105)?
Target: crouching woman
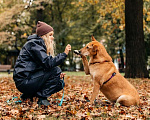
(36, 72)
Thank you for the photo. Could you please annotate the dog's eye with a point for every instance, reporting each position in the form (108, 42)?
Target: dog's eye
(87, 47)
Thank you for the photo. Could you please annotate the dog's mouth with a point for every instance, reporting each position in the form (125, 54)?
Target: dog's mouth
(77, 52)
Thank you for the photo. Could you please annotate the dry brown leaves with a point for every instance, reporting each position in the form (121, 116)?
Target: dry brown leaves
(75, 105)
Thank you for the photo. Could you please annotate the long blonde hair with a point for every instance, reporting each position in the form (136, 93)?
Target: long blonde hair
(50, 45)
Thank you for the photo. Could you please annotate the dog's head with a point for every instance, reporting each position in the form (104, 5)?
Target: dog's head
(91, 48)
(95, 48)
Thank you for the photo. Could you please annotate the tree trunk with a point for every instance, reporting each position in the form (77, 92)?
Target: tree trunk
(121, 59)
(135, 49)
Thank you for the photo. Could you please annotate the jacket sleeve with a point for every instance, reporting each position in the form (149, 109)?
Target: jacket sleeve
(38, 53)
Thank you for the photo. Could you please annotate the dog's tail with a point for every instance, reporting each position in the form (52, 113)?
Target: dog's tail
(127, 100)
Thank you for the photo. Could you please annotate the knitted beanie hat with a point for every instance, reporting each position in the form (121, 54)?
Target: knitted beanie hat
(42, 28)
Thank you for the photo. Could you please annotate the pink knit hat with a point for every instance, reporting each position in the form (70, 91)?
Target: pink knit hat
(42, 28)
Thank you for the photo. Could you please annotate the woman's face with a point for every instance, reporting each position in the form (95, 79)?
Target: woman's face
(51, 37)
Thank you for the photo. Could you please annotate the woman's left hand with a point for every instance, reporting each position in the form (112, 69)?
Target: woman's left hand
(62, 75)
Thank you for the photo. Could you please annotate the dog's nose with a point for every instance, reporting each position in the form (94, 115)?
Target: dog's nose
(77, 52)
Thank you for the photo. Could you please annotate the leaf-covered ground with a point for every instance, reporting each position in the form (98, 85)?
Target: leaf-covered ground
(75, 106)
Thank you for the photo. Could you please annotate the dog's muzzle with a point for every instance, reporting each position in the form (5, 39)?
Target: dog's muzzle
(78, 52)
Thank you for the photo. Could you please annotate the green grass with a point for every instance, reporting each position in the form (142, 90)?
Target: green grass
(5, 74)
(80, 73)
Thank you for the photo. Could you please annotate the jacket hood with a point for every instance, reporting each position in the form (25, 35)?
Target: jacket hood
(34, 36)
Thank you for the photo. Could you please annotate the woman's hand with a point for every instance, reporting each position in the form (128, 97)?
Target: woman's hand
(67, 49)
(62, 75)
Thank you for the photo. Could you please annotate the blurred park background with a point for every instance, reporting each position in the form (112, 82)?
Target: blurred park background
(123, 27)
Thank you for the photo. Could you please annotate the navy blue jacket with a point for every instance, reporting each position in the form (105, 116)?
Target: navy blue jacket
(33, 62)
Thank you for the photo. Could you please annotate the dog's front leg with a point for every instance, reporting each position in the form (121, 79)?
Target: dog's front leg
(96, 89)
(85, 64)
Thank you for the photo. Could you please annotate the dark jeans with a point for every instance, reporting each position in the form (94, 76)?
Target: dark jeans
(50, 87)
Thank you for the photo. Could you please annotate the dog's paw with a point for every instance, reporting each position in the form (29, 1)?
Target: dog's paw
(76, 52)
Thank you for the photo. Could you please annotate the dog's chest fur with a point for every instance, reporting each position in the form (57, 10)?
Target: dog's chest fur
(99, 68)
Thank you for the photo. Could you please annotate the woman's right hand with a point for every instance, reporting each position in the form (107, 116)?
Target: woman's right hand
(67, 49)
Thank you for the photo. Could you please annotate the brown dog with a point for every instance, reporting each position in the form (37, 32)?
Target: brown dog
(106, 77)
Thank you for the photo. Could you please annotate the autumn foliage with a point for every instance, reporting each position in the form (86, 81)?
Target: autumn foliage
(75, 105)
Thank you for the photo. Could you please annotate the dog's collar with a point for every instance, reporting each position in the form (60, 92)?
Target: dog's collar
(98, 62)
(110, 78)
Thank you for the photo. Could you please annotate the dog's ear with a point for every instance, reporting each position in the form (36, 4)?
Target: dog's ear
(95, 48)
(93, 39)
